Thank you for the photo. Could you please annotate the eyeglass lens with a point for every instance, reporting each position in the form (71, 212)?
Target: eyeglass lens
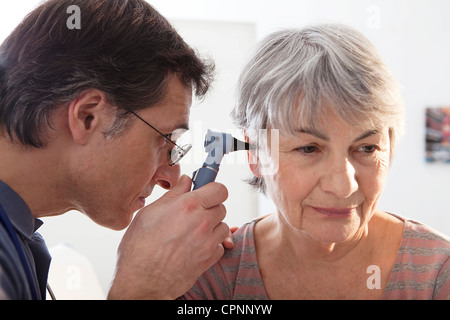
(178, 153)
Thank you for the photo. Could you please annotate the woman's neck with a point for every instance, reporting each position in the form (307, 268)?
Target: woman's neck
(299, 245)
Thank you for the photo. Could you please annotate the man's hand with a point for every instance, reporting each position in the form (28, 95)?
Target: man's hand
(171, 242)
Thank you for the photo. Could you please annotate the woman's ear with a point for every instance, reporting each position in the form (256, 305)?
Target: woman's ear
(252, 156)
(86, 115)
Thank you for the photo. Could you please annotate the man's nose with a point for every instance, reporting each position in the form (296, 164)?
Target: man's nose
(167, 176)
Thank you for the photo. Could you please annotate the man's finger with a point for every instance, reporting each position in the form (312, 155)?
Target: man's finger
(211, 194)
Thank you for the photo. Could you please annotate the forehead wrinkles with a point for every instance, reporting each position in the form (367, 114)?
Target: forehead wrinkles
(317, 121)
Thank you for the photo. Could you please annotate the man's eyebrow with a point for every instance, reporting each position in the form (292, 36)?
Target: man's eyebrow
(183, 126)
(314, 132)
(180, 126)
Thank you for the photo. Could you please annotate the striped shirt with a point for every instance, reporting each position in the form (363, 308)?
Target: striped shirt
(421, 270)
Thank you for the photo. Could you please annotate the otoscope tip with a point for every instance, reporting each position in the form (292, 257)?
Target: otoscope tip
(241, 145)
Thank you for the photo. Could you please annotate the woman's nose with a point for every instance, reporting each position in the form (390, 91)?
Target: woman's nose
(339, 178)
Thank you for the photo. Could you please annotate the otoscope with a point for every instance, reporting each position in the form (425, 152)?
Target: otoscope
(217, 144)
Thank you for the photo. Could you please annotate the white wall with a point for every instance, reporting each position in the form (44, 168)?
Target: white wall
(412, 36)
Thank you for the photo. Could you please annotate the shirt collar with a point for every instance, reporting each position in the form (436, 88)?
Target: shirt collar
(17, 211)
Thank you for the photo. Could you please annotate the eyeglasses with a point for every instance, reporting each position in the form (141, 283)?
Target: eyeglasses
(177, 153)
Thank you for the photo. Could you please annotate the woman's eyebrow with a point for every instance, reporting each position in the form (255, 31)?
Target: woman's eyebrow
(324, 137)
(367, 134)
(314, 132)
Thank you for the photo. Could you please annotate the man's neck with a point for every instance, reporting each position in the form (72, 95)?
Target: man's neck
(35, 176)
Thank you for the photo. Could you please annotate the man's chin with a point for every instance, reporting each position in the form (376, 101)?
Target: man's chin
(121, 222)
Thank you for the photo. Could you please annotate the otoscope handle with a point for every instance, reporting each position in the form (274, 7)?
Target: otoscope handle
(217, 144)
(204, 175)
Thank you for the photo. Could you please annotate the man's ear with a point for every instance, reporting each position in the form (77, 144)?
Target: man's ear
(86, 115)
(253, 160)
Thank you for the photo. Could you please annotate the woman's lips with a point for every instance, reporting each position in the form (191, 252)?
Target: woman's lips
(335, 212)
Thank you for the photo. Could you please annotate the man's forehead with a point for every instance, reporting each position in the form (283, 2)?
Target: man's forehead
(176, 121)
(174, 109)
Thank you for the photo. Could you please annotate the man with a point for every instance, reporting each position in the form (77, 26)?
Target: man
(88, 119)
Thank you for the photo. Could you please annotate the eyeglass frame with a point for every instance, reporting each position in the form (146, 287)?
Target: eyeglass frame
(180, 151)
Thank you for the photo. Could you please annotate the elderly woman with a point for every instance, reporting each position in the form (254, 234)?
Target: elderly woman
(337, 113)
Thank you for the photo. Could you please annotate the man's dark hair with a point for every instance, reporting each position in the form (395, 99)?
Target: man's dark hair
(124, 48)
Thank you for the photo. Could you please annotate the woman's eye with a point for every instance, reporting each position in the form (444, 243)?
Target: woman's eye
(308, 149)
(368, 148)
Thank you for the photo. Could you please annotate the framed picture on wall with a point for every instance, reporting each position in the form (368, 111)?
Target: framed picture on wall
(437, 143)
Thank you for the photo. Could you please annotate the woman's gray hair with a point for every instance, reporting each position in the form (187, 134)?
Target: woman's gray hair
(298, 76)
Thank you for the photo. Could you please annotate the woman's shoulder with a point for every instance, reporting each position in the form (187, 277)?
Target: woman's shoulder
(243, 238)
(242, 251)
(419, 232)
(423, 235)
(422, 269)
(220, 281)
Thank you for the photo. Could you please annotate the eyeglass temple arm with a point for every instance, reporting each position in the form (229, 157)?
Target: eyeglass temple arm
(142, 119)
